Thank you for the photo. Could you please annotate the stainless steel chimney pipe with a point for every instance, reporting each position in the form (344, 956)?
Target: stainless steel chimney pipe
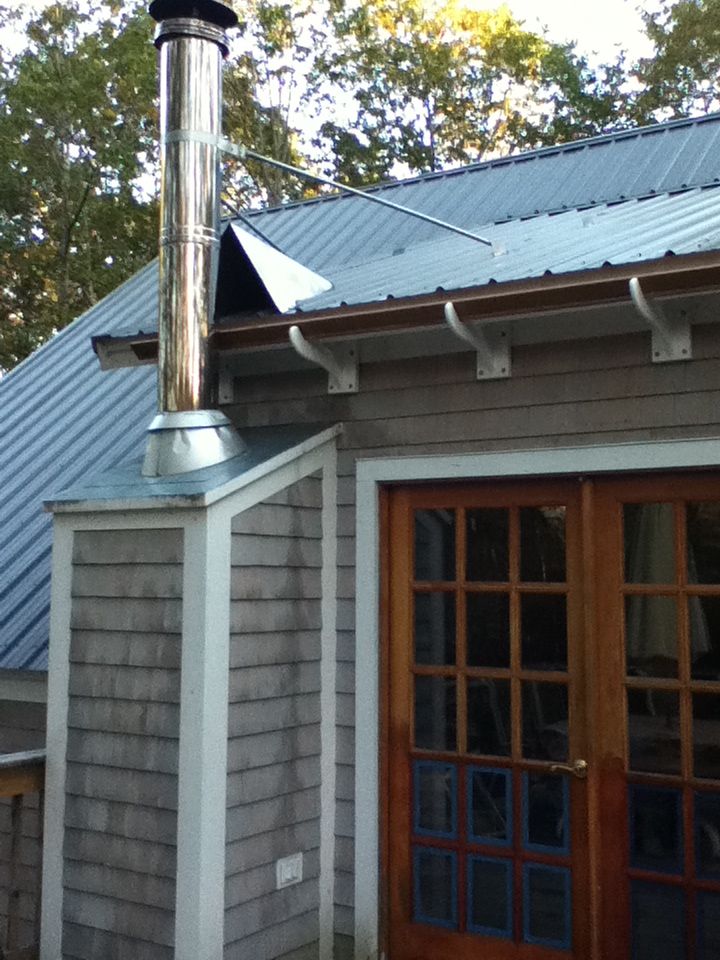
(186, 434)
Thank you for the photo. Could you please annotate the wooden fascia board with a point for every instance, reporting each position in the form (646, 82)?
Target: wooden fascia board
(667, 276)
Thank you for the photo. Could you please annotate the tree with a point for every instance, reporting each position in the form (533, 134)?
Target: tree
(681, 78)
(436, 84)
(77, 135)
(78, 153)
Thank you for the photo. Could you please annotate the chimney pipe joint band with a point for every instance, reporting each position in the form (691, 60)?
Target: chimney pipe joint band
(190, 233)
(191, 27)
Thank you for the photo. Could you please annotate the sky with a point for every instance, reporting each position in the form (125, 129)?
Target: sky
(599, 27)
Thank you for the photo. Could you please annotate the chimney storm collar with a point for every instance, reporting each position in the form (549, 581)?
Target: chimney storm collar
(211, 11)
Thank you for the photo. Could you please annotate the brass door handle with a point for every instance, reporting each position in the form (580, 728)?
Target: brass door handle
(578, 768)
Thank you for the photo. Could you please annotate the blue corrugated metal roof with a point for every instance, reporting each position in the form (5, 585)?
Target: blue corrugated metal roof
(62, 417)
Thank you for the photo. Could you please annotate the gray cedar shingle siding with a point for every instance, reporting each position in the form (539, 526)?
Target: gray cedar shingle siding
(571, 393)
(22, 727)
(122, 752)
(273, 799)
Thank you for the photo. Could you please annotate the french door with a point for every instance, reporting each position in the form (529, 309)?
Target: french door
(552, 753)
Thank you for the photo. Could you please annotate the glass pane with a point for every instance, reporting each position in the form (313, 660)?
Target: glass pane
(658, 922)
(706, 735)
(435, 628)
(651, 636)
(654, 731)
(649, 543)
(707, 835)
(542, 544)
(656, 830)
(488, 629)
(489, 896)
(544, 721)
(487, 545)
(435, 798)
(544, 631)
(703, 542)
(704, 614)
(708, 925)
(489, 806)
(547, 905)
(488, 717)
(434, 544)
(435, 887)
(435, 713)
(546, 812)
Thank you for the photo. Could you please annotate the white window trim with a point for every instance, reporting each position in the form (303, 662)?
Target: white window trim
(371, 474)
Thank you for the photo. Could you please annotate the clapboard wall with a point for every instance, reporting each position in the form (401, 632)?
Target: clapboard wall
(273, 794)
(122, 752)
(602, 390)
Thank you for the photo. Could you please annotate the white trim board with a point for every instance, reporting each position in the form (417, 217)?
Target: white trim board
(371, 473)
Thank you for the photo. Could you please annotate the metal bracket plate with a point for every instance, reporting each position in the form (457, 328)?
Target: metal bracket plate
(340, 361)
(491, 342)
(671, 338)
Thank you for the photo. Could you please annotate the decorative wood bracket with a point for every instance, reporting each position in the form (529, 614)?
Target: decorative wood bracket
(492, 344)
(671, 338)
(341, 362)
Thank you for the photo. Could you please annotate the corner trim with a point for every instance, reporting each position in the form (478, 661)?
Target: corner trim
(51, 918)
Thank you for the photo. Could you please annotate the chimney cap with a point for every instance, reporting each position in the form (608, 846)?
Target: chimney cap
(213, 11)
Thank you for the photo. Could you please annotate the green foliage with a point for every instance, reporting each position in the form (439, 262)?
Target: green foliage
(77, 131)
(681, 78)
(265, 89)
(438, 83)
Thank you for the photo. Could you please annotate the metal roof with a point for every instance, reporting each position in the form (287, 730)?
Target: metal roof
(62, 417)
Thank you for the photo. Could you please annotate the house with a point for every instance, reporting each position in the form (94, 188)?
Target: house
(431, 667)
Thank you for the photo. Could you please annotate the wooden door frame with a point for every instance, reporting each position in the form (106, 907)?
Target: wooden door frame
(396, 505)
(372, 475)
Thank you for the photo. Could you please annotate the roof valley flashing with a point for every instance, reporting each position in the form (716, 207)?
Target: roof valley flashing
(186, 434)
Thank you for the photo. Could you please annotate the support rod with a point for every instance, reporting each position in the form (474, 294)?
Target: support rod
(243, 153)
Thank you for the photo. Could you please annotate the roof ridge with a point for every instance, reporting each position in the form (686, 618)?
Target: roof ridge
(570, 146)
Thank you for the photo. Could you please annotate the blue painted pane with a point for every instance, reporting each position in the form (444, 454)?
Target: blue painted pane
(706, 735)
(435, 798)
(546, 812)
(488, 629)
(548, 907)
(658, 922)
(708, 934)
(651, 631)
(435, 628)
(542, 544)
(435, 887)
(654, 731)
(487, 545)
(488, 717)
(544, 721)
(544, 631)
(707, 835)
(656, 832)
(434, 544)
(435, 713)
(489, 896)
(489, 806)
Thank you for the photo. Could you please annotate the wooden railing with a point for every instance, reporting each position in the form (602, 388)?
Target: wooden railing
(22, 780)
